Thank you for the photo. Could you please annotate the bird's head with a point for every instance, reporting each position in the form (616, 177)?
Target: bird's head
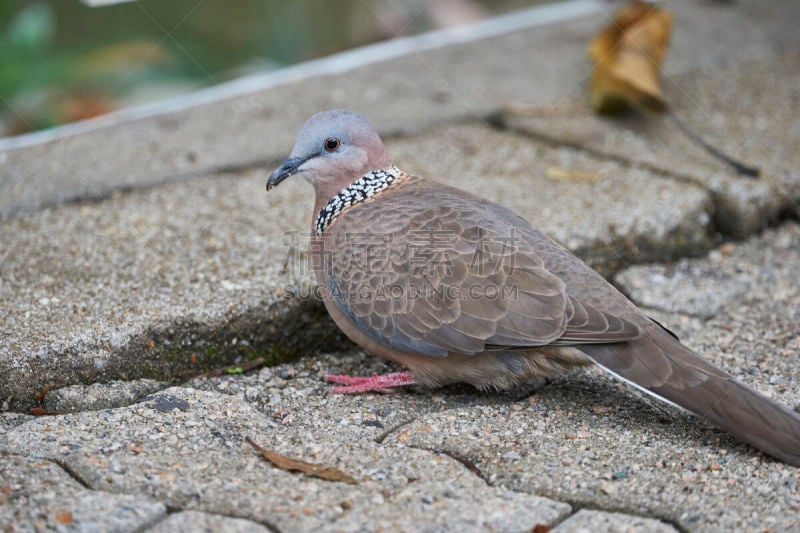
(333, 149)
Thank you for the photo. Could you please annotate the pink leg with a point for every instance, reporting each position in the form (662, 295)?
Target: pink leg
(380, 382)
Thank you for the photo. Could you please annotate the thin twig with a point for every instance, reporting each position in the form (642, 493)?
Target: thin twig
(739, 167)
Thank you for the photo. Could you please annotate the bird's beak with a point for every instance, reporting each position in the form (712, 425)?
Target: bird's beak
(287, 168)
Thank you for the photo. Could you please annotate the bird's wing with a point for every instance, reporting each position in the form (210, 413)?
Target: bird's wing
(434, 277)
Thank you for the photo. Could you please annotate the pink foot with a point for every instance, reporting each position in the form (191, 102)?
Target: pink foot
(379, 383)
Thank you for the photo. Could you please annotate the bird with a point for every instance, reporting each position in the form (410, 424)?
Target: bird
(458, 289)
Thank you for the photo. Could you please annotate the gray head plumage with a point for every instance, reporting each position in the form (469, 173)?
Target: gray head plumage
(332, 149)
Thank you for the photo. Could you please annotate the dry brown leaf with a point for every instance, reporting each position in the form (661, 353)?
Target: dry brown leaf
(328, 473)
(64, 517)
(568, 174)
(627, 57)
(43, 392)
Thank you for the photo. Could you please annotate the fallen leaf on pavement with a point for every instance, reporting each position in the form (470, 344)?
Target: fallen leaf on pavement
(328, 473)
(64, 517)
(627, 56)
(568, 174)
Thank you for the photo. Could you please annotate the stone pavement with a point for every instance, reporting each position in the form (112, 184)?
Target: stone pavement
(585, 448)
(748, 109)
(117, 310)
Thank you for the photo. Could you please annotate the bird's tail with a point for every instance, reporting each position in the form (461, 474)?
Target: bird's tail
(664, 368)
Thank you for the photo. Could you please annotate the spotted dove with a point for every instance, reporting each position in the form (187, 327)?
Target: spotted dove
(458, 289)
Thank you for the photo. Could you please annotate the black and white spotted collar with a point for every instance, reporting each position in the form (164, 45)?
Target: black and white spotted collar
(355, 193)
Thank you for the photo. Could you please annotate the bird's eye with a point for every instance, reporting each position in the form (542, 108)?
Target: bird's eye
(332, 143)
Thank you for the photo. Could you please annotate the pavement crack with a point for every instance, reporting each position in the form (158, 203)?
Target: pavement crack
(72, 473)
(180, 347)
(498, 122)
(172, 509)
(382, 437)
(579, 505)
(558, 522)
(466, 462)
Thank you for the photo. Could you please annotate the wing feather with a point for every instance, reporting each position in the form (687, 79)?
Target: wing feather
(453, 280)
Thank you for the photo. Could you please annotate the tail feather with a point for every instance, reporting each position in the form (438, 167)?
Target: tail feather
(660, 365)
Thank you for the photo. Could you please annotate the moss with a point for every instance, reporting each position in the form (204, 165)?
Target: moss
(181, 349)
(184, 361)
(276, 353)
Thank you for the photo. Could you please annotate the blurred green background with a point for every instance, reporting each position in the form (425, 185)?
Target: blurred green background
(66, 60)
